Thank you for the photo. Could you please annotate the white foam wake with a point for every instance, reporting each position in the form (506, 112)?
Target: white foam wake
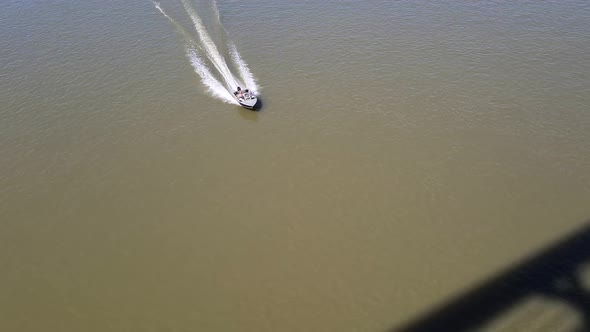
(245, 73)
(214, 87)
(243, 68)
(214, 3)
(210, 48)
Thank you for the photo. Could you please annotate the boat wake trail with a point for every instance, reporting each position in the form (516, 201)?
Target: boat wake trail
(245, 73)
(221, 82)
(214, 87)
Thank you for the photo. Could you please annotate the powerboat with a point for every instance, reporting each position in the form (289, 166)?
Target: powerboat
(246, 98)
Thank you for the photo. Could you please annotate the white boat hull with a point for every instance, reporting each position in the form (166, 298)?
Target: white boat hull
(249, 103)
(246, 99)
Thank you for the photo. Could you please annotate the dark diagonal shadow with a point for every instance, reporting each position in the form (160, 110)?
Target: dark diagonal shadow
(551, 273)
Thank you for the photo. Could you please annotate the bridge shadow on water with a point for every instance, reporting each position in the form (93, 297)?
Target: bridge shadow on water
(553, 274)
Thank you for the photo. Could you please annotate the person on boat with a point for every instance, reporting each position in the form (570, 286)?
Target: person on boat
(240, 93)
